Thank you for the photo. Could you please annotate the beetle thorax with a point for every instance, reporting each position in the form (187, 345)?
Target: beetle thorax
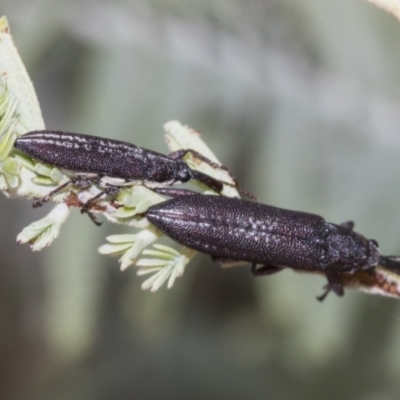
(348, 251)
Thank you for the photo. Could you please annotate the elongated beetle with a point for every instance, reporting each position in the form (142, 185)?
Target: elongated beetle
(110, 163)
(234, 229)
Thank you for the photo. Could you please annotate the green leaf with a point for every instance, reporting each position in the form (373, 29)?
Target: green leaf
(42, 233)
(167, 265)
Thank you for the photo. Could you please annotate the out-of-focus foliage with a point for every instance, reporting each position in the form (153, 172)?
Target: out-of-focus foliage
(301, 100)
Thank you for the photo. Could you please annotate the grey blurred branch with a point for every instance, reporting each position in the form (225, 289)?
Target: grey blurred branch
(391, 6)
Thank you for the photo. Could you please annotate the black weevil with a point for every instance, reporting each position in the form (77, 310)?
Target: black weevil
(235, 229)
(111, 164)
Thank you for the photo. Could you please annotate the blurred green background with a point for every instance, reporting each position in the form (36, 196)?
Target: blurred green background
(301, 99)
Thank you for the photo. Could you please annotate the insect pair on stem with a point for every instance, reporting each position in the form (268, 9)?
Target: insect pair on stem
(229, 229)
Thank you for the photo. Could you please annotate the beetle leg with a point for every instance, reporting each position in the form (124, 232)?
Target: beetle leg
(322, 297)
(335, 285)
(208, 180)
(180, 154)
(45, 199)
(265, 269)
(93, 218)
(217, 185)
(211, 182)
(112, 190)
(109, 191)
(78, 181)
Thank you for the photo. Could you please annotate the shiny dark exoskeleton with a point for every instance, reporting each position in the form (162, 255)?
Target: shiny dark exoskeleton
(234, 229)
(112, 158)
(113, 163)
